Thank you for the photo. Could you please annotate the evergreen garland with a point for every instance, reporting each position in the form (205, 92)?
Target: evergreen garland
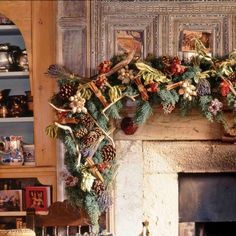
(84, 107)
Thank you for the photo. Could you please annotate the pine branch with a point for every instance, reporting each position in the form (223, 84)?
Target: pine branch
(168, 97)
(93, 210)
(70, 144)
(185, 106)
(114, 110)
(204, 102)
(70, 162)
(75, 196)
(92, 108)
(231, 100)
(102, 121)
(143, 113)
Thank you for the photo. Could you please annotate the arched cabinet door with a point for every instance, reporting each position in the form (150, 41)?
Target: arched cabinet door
(37, 25)
(32, 27)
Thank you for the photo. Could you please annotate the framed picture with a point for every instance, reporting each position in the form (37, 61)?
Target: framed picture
(187, 43)
(38, 197)
(28, 153)
(127, 39)
(10, 200)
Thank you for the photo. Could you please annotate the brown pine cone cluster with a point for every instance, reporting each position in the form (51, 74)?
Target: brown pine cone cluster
(91, 137)
(66, 91)
(86, 121)
(166, 63)
(80, 133)
(232, 78)
(108, 152)
(98, 131)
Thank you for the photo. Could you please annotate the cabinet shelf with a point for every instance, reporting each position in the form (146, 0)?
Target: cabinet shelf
(20, 213)
(9, 30)
(16, 119)
(14, 75)
(13, 213)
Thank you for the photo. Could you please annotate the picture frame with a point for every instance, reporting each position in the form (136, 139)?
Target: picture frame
(29, 155)
(10, 200)
(125, 39)
(187, 43)
(38, 197)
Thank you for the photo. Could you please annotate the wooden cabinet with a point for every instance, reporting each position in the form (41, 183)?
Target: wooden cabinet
(36, 22)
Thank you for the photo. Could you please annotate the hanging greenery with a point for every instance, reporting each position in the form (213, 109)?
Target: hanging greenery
(85, 106)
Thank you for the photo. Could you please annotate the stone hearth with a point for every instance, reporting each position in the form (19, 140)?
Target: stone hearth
(147, 182)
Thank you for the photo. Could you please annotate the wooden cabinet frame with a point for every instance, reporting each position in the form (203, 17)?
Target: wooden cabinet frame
(37, 23)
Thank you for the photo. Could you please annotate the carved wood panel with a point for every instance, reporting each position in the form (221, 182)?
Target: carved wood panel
(72, 8)
(161, 23)
(74, 49)
(218, 25)
(72, 44)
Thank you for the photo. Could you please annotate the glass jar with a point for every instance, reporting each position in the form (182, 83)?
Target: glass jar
(11, 152)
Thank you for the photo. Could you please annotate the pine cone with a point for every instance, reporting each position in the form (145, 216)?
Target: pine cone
(81, 133)
(89, 139)
(166, 60)
(98, 131)
(66, 91)
(166, 63)
(86, 121)
(108, 152)
(232, 76)
(98, 187)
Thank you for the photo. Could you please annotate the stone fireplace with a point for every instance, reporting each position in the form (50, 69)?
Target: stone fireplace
(147, 185)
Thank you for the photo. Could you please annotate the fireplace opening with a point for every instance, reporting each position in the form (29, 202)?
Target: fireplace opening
(207, 204)
(215, 229)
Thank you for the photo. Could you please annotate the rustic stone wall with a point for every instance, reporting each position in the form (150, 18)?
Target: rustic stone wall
(146, 186)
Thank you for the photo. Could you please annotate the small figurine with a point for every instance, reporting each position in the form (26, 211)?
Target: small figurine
(146, 231)
(23, 62)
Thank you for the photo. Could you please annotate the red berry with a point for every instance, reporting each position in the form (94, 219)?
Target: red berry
(128, 126)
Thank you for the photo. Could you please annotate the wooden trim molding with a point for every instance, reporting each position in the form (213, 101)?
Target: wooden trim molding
(44, 54)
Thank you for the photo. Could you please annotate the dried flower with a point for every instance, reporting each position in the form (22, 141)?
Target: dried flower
(203, 87)
(215, 106)
(101, 82)
(104, 67)
(104, 201)
(77, 103)
(188, 90)
(176, 67)
(70, 181)
(125, 75)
